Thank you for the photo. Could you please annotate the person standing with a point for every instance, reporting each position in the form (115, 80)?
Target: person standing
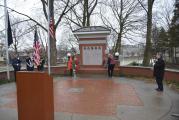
(40, 67)
(29, 64)
(69, 64)
(16, 63)
(76, 64)
(111, 64)
(158, 73)
(73, 66)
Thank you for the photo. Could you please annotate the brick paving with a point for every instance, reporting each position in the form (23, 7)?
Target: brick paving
(100, 98)
(91, 97)
(97, 97)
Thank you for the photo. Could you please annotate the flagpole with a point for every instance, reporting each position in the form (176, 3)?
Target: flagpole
(49, 71)
(7, 52)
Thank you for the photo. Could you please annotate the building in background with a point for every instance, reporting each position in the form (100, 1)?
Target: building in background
(1, 53)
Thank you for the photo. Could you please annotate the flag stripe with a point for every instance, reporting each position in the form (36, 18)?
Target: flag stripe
(36, 47)
(52, 30)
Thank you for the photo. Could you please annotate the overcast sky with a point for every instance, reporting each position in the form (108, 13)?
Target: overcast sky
(30, 7)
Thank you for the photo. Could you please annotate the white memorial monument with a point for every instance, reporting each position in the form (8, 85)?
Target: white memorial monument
(92, 44)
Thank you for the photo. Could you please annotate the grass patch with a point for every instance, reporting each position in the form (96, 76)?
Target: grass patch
(122, 75)
(173, 84)
(177, 85)
(6, 81)
(135, 64)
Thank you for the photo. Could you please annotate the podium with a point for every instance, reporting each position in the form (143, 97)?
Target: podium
(35, 98)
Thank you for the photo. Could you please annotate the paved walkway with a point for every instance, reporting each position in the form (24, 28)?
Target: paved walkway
(100, 98)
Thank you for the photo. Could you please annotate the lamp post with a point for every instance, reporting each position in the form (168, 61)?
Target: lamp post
(68, 54)
(117, 58)
(116, 55)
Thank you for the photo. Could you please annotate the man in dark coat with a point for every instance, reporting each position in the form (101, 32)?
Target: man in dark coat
(16, 63)
(159, 69)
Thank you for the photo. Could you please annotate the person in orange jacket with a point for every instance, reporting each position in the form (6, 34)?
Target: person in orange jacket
(70, 61)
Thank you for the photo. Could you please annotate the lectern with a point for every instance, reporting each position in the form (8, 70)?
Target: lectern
(35, 98)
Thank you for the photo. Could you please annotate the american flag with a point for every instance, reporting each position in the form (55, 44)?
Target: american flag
(52, 29)
(36, 47)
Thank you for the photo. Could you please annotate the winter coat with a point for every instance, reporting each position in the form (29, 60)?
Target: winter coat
(70, 62)
(159, 68)
(29, 64)
(16, 63)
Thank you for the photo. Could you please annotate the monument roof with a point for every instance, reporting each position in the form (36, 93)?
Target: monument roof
(91, 29)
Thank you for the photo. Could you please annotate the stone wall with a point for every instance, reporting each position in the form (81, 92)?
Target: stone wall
(123, 71)
(148, 72)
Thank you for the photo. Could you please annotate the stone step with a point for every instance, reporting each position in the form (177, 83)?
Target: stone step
(95, 70)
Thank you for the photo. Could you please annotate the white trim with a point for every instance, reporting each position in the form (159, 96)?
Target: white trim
(98, 32)
(92, 36)
(92, 41)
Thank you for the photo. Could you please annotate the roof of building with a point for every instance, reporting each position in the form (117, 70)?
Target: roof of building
(91, 29)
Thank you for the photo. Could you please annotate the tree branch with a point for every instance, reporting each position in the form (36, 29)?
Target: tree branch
(17, 23)
(27, 17)
(78, 24)
(77, 17)
(44, 4)
(109, 25)
(66, 11)
(63, 13)
(92, 9)
(153, 2)
(142, 6)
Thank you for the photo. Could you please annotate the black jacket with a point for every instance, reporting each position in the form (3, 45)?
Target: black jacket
(16, 63)
(109, 61)
(159, 68)
(29, 64)
(41, 66)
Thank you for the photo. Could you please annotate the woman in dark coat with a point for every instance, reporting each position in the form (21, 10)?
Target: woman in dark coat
(159, 69)
(111, 64)
(29, 64)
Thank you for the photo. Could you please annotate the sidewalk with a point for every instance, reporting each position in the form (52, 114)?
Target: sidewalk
(100, 98)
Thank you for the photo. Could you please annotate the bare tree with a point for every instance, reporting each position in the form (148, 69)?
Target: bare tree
(161, 19)
(88, 8)
(64, 6)
(19, 33)
(69, 39)
(164, 17)
(67, 6)
(81, 14)
(147, 51)
(123, 20)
